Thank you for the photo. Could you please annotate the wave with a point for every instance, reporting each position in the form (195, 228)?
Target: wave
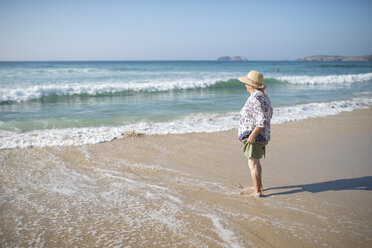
(20, 94)
(187, 124)
(329, 79)
(99, 89)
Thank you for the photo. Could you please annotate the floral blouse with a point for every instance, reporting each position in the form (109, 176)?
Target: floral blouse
(257, 112)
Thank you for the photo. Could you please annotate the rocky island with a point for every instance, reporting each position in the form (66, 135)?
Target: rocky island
(232, 58)
(336, 58)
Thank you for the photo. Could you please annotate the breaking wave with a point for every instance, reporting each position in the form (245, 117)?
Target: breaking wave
(329, 79)
(20, 94)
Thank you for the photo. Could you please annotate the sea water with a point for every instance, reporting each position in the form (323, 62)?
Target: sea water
(75, 103)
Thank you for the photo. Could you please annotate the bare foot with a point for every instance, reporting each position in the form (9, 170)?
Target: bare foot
(246, 190)
(256, 195)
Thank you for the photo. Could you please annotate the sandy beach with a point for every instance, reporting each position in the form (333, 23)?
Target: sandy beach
(182, 190)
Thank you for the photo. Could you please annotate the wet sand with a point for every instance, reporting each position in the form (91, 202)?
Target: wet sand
(182, 190)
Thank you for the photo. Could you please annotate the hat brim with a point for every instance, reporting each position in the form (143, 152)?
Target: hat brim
(246, 80)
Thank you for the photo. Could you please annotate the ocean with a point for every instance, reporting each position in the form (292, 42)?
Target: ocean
(76, 103)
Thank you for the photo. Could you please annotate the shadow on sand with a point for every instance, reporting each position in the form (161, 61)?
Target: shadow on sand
(360, 183)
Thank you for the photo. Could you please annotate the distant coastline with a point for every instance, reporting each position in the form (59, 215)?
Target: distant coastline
(335, 58)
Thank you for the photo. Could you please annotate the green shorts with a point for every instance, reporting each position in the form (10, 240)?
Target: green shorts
(255, 150)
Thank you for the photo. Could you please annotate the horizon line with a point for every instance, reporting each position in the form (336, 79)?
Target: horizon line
(146, 60)
(169, 60)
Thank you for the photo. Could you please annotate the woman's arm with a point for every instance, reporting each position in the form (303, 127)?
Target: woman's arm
(259, 121)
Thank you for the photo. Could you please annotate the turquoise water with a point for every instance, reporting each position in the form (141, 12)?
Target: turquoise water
(167, 96)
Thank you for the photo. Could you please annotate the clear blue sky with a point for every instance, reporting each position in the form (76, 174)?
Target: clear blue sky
(183, 30)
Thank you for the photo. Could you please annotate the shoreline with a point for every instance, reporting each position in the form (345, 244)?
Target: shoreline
(181, 190)
(192, 123)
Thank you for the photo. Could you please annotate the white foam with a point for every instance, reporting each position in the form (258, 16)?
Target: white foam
(57, 137)
(329, 79)
(225, 234)
(311, 110)
(192, 123)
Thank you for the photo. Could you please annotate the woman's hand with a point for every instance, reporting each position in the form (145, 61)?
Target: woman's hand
(251, 139)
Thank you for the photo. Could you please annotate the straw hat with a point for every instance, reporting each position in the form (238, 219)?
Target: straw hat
(253, 78)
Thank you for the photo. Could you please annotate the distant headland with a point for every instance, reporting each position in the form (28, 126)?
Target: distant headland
(336, 58)
(232, 58)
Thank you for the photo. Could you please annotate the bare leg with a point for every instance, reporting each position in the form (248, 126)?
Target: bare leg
(259, 168)
(256, 173)
(260, 176)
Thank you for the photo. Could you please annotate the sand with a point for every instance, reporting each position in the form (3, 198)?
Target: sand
(182, 190)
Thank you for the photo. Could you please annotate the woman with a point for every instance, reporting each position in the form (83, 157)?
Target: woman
(254, 126)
